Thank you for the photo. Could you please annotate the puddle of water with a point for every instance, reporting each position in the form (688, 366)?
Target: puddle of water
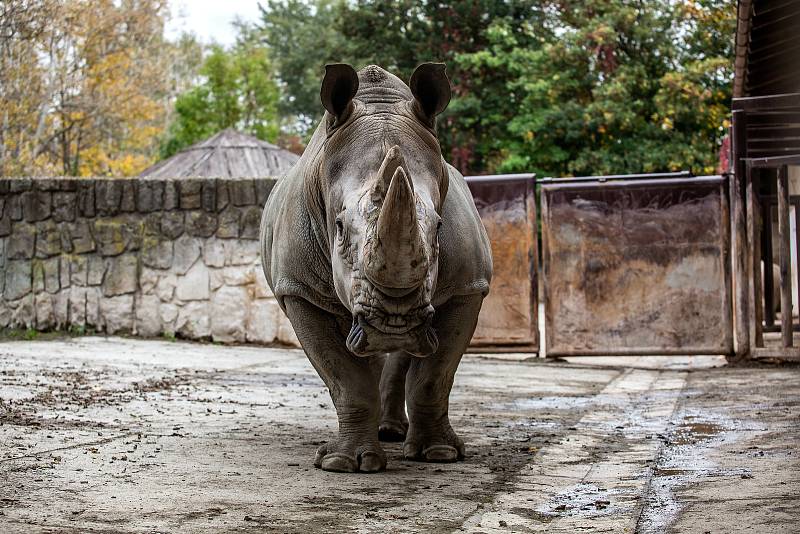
(684, 461)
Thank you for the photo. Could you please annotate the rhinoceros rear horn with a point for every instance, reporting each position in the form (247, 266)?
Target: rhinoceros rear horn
(338, 88)
(431, 89)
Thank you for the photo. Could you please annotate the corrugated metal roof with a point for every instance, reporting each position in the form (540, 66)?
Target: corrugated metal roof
(228, 154)
(767, 48)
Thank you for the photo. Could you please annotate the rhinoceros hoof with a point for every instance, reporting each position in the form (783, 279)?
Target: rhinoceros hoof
(340, 458)
(434, 452)
(392, 431)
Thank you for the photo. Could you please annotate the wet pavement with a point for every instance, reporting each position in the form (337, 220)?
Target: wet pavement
(124, 435)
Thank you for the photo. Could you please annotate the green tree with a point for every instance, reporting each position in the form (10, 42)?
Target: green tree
(237, 90)
(617, 87)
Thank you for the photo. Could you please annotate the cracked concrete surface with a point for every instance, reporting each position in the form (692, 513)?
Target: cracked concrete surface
(125, 435)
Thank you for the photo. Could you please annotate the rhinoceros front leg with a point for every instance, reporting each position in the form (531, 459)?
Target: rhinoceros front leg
(353, 385)
(394, 423)
(430, 437)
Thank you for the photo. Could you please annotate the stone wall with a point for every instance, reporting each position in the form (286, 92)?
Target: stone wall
(144, 257)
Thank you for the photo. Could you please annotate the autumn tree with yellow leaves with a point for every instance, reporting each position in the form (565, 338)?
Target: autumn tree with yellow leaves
(84, 86)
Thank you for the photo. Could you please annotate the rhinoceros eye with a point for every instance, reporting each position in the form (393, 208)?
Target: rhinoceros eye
(339, 227)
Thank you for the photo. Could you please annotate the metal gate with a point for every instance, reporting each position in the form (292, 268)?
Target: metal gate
(509, 316)
(631, 265)
(637, 264)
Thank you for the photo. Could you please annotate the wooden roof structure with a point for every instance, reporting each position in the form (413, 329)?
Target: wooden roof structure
(227, 154)
(767, 48)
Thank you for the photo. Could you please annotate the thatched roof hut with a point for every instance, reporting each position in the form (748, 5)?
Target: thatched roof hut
(228, 154)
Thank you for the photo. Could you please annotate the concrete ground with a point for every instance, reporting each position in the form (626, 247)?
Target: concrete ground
(123, 435)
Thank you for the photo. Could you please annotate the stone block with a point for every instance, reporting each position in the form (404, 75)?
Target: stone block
(165, 288)
(5, 223)
(222, 196)
(52, 274)
(237, 275)
(263, 189)
(86, 198)
(18, 280)
(263, 321)
(148, 318)
(79, 270)
(190, 191)
(151, 224)
(97, 271)
(201, 223)
(37, 276)
(216, 279)
(214, 253)
(81, 237)
(108, 196)
(17, 185)
(148, 279)
(172, 196)
(156, 253)
(61, 316)
(128, 203)
(242, 252)
(110, 236)
(168, 313)
(65, 206)
(45, 316)
(194, 284)
(36, 205)
(24, 313)
(186, 253)
(5, 315)
(117, 314)
(121, 277)
(92, 309)
(208, 197)
(172, 224)
(149, 195)
(251, 223)
(242, 192)
(193, 321)
(229, 224)
(48, 239)
(64, 274)
(229, 307)
(21, 243)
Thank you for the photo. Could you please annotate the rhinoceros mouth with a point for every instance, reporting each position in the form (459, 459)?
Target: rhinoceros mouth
(366, 339)
(395, 323)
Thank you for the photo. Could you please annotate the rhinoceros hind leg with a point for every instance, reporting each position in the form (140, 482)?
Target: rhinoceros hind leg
(353, 384)
(430, 437)
(394, 423)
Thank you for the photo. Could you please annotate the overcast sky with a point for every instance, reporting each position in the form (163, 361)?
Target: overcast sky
(210, 20)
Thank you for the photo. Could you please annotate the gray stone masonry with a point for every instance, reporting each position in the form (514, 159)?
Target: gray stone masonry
(142, 257)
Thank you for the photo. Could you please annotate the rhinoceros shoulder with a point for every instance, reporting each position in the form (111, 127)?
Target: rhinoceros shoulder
(465, 256)
(293, 263)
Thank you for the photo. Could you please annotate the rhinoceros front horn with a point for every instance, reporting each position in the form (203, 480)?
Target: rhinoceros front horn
(396, 257)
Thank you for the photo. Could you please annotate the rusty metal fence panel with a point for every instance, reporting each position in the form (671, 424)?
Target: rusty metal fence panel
(637, 266)
(507, 206)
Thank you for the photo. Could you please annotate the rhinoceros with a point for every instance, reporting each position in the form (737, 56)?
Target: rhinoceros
(374, 250)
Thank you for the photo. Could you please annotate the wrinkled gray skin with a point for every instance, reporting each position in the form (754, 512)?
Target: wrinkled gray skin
(375, 251)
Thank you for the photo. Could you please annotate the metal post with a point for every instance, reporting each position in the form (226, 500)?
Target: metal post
(785, 256)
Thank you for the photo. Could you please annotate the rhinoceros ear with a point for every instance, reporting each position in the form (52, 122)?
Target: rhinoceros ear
(338, 88)
(431, 89)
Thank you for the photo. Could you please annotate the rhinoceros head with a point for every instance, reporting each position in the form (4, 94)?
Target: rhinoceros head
(385, 184)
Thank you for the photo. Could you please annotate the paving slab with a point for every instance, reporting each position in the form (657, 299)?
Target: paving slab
(129, 435)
